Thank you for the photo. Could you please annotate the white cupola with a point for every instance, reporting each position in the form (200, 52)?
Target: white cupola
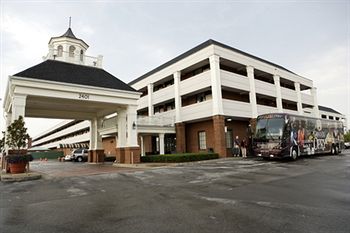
(69, 48)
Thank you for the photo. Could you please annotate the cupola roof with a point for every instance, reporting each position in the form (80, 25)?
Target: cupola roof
(69, 34)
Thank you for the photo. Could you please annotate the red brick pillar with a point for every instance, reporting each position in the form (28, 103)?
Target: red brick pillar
(120, 154)
(219, 135)
(180, 130)
(132, 155)
(96, 156)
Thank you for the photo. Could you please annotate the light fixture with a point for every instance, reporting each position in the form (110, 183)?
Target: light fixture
(134, 125)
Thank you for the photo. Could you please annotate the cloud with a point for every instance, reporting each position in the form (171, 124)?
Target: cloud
(330, 72)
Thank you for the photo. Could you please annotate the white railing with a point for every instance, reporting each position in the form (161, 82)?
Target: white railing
(288, 94)
(194, 83)
(163, 94)
(265, 88)
(307, 99)
(74, 58)
(197, 111)
(266, 109)
(233, 80)
(237, 108)
(142, 102)
(155, 121)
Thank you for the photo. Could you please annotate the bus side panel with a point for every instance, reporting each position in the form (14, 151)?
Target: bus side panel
(314, 136)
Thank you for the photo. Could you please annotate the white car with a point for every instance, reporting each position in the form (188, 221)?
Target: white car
(347, 145)
(78, 155)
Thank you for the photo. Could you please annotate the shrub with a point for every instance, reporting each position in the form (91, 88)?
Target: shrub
(17, 158)
(178, 158)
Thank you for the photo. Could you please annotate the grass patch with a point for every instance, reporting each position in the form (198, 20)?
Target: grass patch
(178, 158)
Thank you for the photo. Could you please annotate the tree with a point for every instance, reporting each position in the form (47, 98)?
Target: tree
(2, 142)
(347, 137)
(17, 136)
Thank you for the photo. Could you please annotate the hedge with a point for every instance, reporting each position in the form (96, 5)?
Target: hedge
(47, 154)
(177, 158)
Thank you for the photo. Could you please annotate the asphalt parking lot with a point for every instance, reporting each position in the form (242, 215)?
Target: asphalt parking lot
(226, 195)
(54, 169)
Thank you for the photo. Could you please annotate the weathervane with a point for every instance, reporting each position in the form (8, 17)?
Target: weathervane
(70, 21)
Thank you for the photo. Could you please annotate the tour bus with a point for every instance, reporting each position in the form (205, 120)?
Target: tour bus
(280, 135)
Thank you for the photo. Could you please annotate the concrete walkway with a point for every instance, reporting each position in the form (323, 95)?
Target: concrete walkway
(7, 177)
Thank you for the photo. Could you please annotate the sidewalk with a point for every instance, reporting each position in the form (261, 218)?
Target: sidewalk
(7, 177)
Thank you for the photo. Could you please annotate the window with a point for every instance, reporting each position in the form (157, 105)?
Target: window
(229, 138)
(71, 51)
(59, 51)
(81, 55)
(202, 141)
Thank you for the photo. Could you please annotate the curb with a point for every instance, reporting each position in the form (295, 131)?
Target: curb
(9, 178)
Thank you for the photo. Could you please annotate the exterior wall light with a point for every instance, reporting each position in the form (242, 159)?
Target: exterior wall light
(134, 125)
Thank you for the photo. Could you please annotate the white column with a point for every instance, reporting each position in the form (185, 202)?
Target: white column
(252, 93)
(161, 143)
(315, 108)
(276, 79)
(142, 146)
(8, 119)
(216, 84)
(150, 101)
(99, 61)
(121, 128)
(95, 137)
(131, 126)
(177, 76)
(299, 104)
(18, 106)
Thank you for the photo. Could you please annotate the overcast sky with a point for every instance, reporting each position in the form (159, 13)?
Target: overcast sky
(310, 38)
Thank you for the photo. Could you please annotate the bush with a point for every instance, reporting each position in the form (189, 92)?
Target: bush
(178, 158)
(17, 158)
(47, 154)
(110, 158)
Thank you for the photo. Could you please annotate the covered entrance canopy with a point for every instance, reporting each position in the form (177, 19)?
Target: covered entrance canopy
(57, 89)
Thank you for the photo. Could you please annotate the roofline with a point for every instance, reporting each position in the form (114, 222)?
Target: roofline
(333, 111)
(21, 78)
(198, 48)
(57, 37)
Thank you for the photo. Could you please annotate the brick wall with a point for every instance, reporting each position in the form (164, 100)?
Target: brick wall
(109, 145)
(192, 130)
(239, 128)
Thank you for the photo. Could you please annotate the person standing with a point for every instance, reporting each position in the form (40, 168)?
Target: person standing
(244, 148)
(236, 145)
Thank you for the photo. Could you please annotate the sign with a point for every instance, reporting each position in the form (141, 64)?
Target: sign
(84, 96)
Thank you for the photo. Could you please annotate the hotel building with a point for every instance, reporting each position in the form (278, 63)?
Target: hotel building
(199, 101)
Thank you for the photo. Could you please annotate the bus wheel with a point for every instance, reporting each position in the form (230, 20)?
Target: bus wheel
(294, 155)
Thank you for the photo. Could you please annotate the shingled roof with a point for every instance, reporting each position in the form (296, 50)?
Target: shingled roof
(58, 71)
(326, 109)
(69, 33)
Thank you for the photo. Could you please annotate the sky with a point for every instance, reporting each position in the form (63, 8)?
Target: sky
(310, 38)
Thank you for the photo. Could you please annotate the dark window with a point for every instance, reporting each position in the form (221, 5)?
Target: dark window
(229, 138)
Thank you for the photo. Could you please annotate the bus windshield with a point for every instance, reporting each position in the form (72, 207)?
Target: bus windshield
(271, 128)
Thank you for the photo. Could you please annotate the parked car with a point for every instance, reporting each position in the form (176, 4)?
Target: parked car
(78, 155)
(347, 145)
